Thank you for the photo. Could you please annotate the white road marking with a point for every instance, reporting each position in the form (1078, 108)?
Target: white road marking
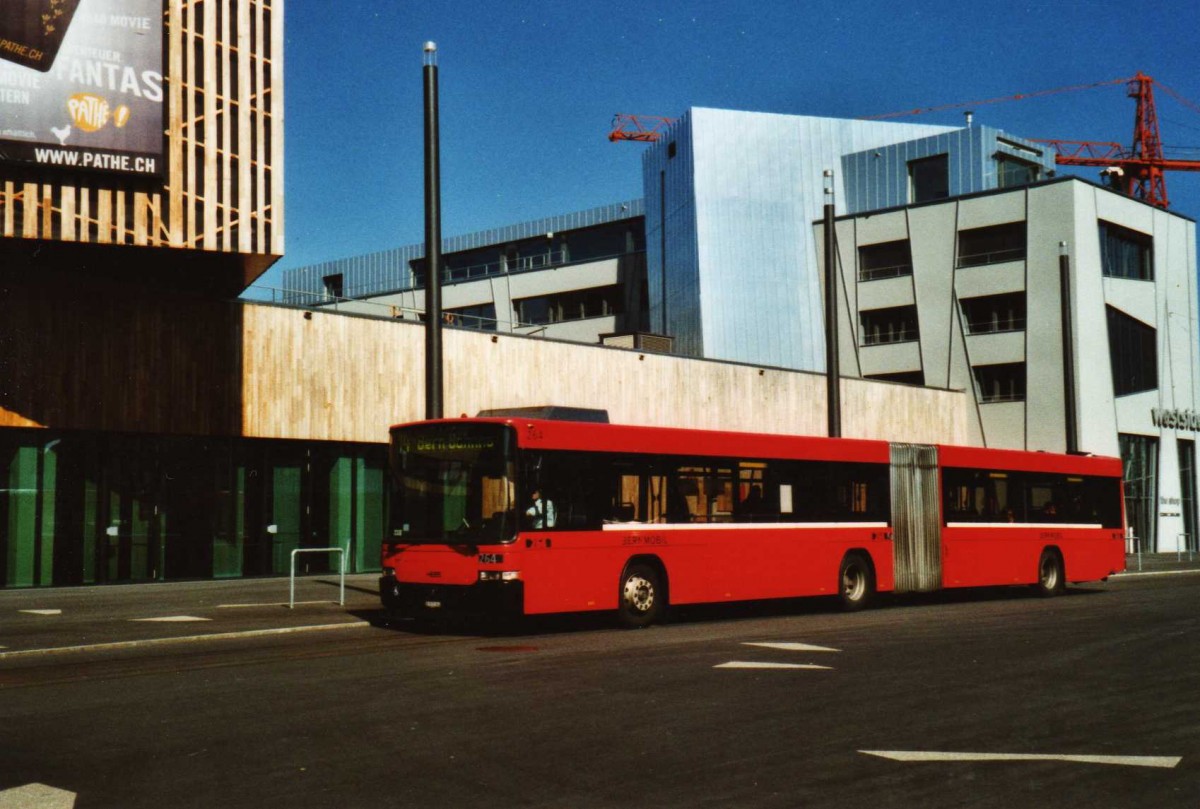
(1133, 574)
(269, 604)
(132, 644)
(36, 796)
(793, 647)
(42, 612)
(1164, 762)
(170, 619)
(745, 664)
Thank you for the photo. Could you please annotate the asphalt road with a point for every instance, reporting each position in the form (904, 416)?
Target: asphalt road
(573, 713)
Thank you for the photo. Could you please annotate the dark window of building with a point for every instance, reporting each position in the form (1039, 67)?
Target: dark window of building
(929, 178)
(1012, 172)
(1004, 382)
(991, 314)
(1125, 253)
(991, 245)
(670, 150)
(1139, 456)
(576, 305)
(896, 324)
(482, 317)
(1132, 346)
(467, 264)
(602, 241)
(334, 286)
(903, 377)
(886, 260)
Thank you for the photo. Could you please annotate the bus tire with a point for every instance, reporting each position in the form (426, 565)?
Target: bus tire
(1051, 577)
(856, 582)
(642, 596)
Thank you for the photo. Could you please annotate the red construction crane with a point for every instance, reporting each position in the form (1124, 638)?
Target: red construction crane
(1138, 170)
(645, 128)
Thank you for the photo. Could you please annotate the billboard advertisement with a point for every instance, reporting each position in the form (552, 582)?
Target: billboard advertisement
(81, 85)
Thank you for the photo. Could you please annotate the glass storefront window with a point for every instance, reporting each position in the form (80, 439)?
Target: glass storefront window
(1139, 454)
(95, 508)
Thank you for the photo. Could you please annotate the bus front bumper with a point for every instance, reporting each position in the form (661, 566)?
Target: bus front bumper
(482, 599)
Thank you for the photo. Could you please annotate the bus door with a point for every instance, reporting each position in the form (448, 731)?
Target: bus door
(916, 522)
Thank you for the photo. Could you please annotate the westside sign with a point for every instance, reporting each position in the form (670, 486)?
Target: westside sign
(81, 84)
(1176, 419)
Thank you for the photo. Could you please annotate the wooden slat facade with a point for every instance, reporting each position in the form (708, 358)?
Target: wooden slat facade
(223, 190)
(137, 361)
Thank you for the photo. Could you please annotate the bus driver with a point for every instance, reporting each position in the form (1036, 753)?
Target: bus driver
(540, 513)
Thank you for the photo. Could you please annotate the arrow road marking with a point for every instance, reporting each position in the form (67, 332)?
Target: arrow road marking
(1164, 762)
(742, 664)
(793, 647)
(42, 612)
(36, 796)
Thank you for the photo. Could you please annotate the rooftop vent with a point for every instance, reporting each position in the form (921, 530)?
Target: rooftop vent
(548, 412)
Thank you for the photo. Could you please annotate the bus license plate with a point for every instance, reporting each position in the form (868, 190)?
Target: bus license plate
(433, 605)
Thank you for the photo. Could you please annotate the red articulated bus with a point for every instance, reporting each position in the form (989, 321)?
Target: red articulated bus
(530, 516)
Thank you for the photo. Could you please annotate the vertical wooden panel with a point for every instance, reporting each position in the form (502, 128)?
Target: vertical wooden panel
(104, 233)
(85, 215)
(47, 206)
(10, 206)
(140, 234)
(175, 128)
(189, 111)
(260, 134)
(30, 210)
(210, 126)
(120, 221)
(68, 214)
(245, 135)
(227, 57)
(275, 105)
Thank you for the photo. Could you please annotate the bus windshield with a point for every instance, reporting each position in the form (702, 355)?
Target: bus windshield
(452, 484)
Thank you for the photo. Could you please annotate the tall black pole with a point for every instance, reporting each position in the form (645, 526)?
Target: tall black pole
(1064, 283)
(433, 242)
(832, 368)
(662, 247)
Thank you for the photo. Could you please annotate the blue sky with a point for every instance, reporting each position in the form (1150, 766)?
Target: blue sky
(528, 91)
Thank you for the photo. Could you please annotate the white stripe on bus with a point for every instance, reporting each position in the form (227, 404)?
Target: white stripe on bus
(1059, 525)
(740, 526)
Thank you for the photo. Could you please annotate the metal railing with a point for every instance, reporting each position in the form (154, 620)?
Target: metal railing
(1001, 325)
(1183, 543)
(887, 336)
(991, 257)
(877, 273)
(292, 576)
(407, 282)
(389, 311)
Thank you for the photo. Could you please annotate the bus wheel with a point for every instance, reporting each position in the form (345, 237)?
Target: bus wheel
(1052, 579)
(856, 582)
(642, 596)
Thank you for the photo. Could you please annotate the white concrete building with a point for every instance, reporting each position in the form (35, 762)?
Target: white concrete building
(964, 293)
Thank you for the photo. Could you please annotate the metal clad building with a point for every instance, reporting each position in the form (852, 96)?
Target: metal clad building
(729, 200)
